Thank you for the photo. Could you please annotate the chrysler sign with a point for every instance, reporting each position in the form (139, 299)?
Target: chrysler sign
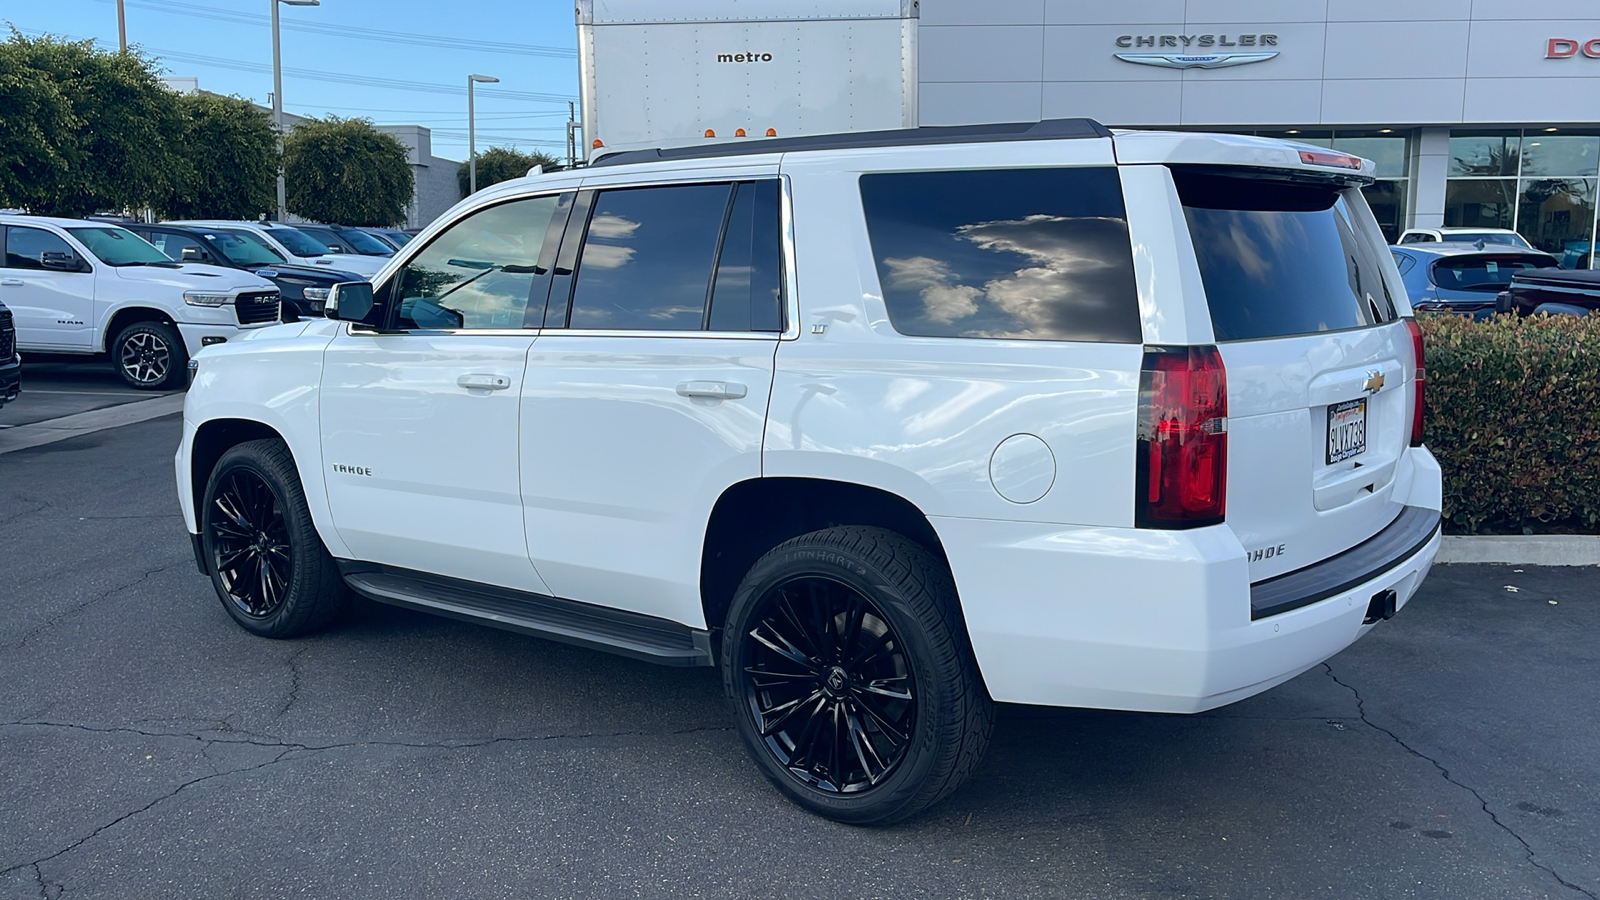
(1198, 51)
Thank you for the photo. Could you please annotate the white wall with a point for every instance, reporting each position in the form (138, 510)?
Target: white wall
(1340, 62)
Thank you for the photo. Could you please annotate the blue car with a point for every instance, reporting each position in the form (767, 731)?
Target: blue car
(1463, 278)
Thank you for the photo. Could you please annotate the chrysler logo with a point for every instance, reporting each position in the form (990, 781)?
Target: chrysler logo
(1197, 51)
(1187, 61)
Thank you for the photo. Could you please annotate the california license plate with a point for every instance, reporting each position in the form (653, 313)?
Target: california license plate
(1347, 430)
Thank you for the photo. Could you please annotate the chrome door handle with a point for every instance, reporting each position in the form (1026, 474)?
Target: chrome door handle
(484, 382)
(718, 390)
(11, 282)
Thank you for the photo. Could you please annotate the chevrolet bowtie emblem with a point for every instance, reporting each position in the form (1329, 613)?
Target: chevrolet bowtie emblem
(1374, 382)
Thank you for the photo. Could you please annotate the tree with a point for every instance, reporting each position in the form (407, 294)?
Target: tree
(498, 164)
(82, 130)
(347, 172)
(226, 161)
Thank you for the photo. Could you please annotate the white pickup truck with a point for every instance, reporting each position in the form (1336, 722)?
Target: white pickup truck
(82, 288)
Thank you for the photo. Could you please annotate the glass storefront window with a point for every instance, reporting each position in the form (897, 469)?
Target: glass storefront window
(1388, 202)
(1556, 215)
(1486, 153)
(1561, 154)
(1387, 150)
(1480, 202)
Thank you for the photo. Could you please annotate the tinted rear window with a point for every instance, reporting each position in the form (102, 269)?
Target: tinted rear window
(1489, 272)
(1034, 254)
(1280, 259)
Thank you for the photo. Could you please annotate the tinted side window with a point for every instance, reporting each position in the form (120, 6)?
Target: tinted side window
(24, 247)
(173, 244)
(747, 295)
(479, 272)
(647, 258)
(1033, 254)
(1279, 258)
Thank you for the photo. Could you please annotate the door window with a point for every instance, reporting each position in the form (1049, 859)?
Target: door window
(25, 247)
(647, 258)
(747, 294)
(480, 272)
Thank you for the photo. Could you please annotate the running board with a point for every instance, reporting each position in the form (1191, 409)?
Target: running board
(568, 621)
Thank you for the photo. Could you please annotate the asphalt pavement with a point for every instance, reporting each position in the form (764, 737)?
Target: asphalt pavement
(150, 748)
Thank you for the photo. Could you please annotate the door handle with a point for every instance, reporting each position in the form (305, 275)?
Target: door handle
(484, 382)
(717, 390)
(11, 282)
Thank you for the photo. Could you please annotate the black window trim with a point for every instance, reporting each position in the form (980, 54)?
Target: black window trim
(559, 311)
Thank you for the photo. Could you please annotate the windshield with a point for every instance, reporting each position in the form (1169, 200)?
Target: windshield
(1487, 273)
(1488, 237)
(365, 243)
(398, 238)
(118, 246)
(245, 249)
(300, 243)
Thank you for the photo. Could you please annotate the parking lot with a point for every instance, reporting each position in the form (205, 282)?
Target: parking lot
(149, 747)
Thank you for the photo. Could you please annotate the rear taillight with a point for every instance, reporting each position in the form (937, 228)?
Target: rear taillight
(1183, 438)
(1421, 372)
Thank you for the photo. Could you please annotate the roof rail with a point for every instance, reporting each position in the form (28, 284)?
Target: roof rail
(1047, 130)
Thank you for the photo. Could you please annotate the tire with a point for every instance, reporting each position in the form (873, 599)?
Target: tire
(150, 356)
(254, 514)
(820, 697)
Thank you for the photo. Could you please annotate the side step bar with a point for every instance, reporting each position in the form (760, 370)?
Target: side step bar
(582, 624)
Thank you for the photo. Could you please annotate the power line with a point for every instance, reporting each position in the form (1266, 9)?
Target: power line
(172, 7)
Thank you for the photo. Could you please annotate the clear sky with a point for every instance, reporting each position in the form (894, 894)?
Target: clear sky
(393, 61)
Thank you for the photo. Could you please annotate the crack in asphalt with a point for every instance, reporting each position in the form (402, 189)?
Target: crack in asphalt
(294, 680)
(46, 625)
(45, 504)
(290, 748)
(1527, 849)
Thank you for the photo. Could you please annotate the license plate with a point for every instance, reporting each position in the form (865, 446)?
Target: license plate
(1347, 430)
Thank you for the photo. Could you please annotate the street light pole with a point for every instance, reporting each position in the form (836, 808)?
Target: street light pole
(122, 28)
(277, 96)
(472, 134)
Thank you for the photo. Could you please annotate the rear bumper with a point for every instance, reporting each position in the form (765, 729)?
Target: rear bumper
(1119, 618)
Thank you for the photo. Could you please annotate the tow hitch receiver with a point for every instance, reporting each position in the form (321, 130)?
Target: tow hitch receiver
(1381, 606)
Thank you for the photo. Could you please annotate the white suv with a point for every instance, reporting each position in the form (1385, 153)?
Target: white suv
(887, 426)
(80, 287)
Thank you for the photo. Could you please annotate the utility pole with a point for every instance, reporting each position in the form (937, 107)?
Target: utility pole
(277, 97)
(122, 28)
(472, 134)
(572, 136)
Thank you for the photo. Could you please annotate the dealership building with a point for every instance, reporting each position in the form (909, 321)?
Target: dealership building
(1477, 113)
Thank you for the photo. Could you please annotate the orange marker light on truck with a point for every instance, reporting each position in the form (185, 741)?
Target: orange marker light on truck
(738, 132)
(710, 133)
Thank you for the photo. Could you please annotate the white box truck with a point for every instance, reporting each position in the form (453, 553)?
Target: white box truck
(670, 73)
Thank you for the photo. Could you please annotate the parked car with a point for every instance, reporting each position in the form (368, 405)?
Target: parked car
(1462, 278)
(1556, 291)
(887, 426)
(343, 239)
(1463, 235)
(303, 288)
(394, 237)
(298, 247)
(82, 288)
(10, 359)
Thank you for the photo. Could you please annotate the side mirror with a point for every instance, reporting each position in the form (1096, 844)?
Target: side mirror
(191, 254)
(60, 261)
(353, 301)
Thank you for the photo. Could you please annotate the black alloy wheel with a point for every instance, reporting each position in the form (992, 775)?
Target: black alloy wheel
(269, 566)
(829, 683)
(853, 685)
(250, 549)
(150, 356)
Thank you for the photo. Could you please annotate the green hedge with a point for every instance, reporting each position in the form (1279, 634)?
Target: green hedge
(1513, 415)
